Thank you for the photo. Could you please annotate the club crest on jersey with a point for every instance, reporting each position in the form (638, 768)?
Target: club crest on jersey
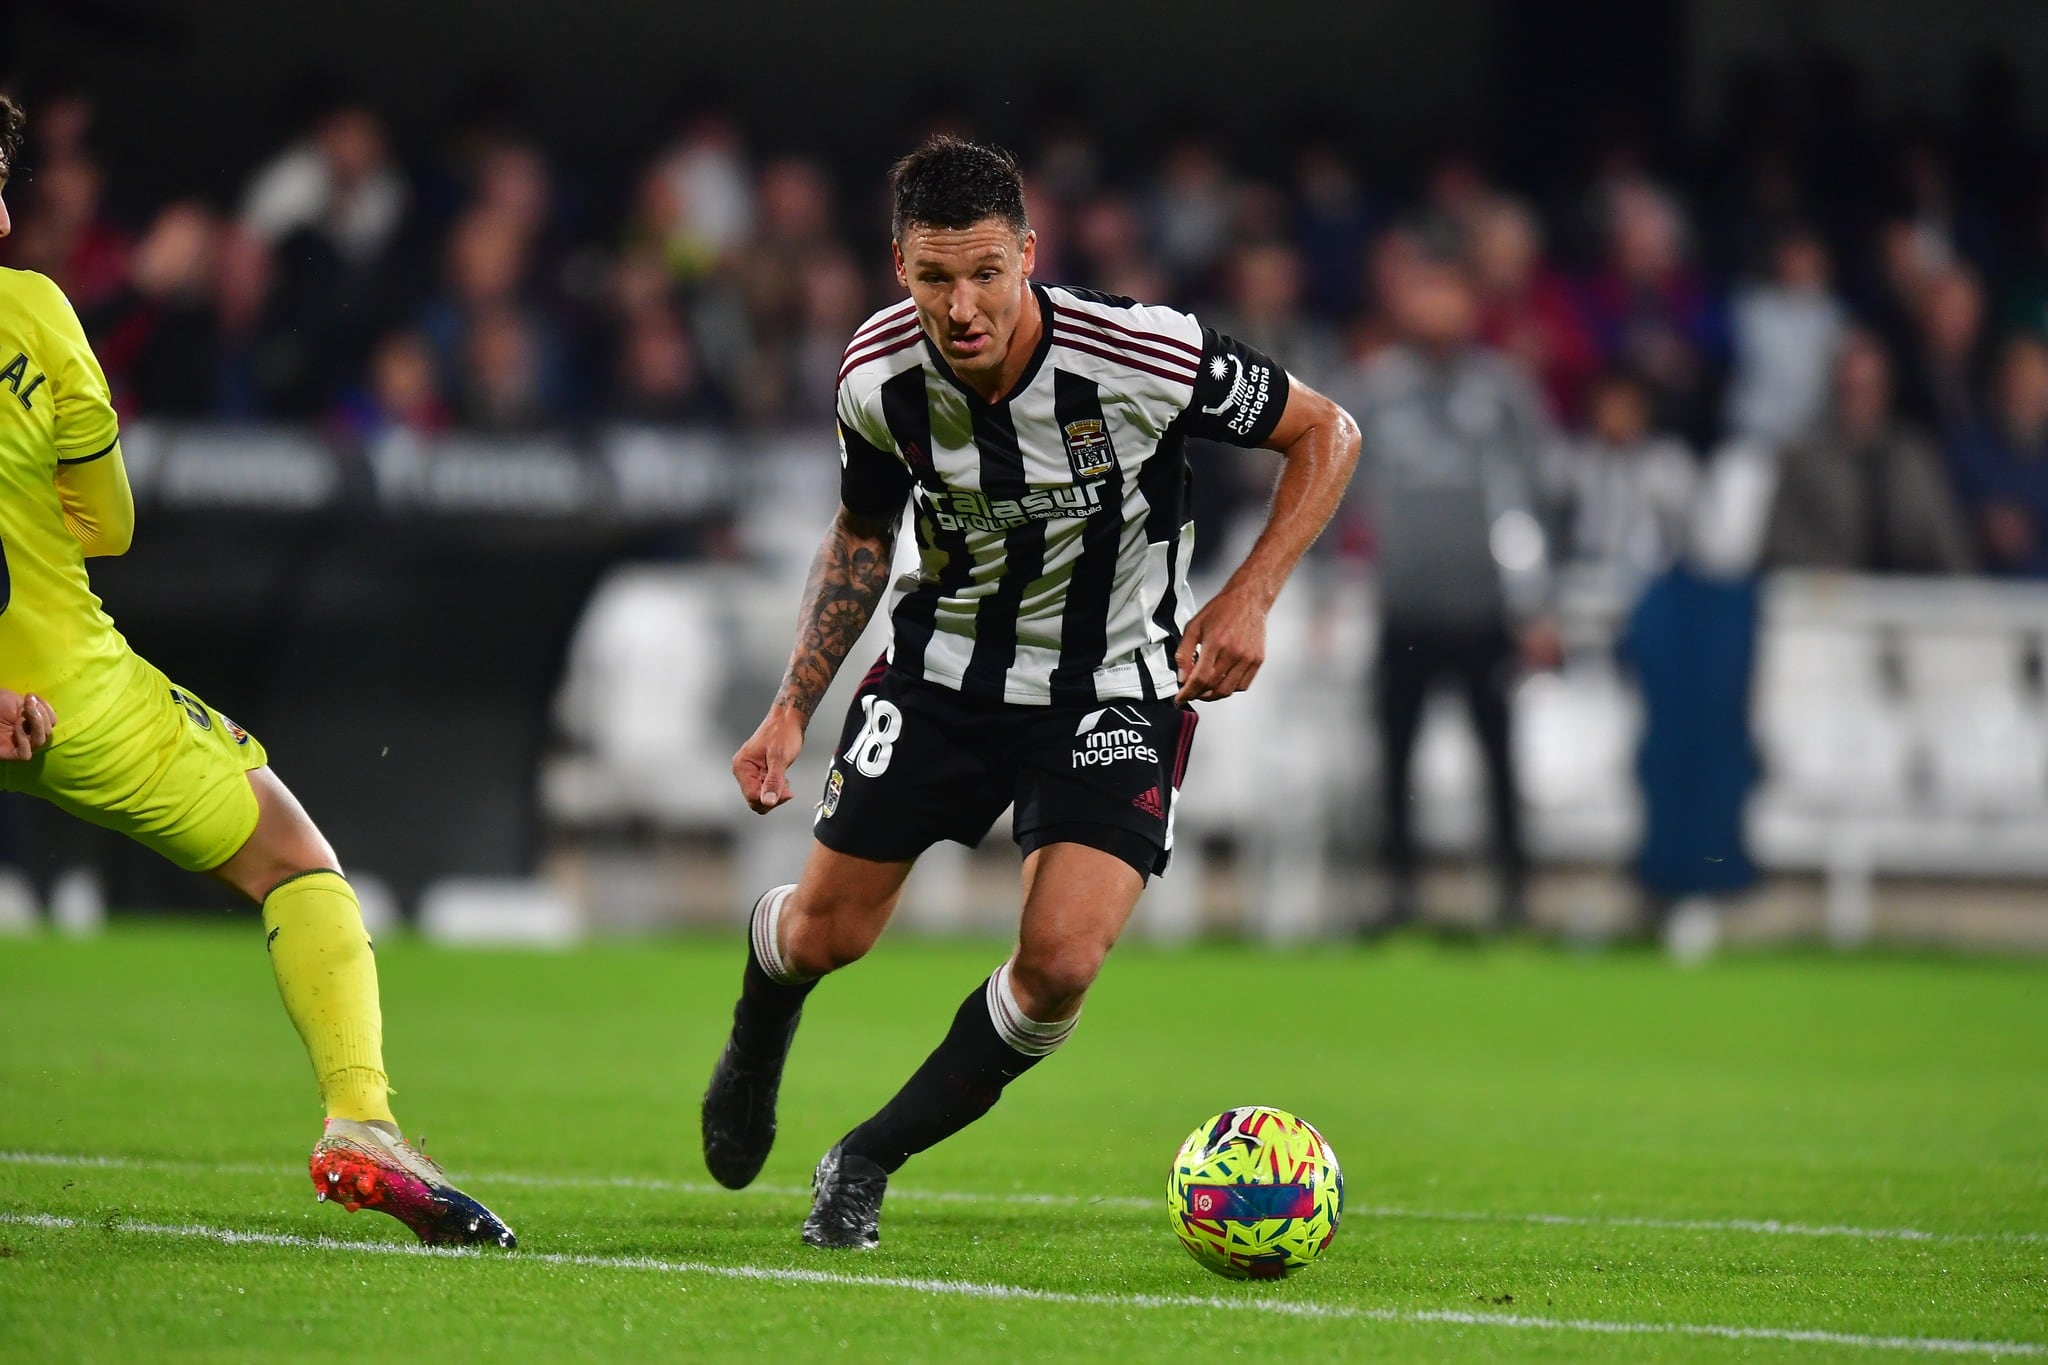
(1089, 449)
(834, 785)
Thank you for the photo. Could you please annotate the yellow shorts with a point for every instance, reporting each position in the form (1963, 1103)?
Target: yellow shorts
(158, 765)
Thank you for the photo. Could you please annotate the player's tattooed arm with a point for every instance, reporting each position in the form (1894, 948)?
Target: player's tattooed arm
(847, 582)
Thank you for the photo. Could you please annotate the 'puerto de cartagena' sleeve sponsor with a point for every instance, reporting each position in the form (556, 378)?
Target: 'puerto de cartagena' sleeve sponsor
(1239, 393)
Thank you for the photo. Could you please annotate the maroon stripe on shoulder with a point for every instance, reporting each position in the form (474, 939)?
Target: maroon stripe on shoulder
(855, 362)
(888, 321)
(1074, 344)
(1131, 346)
(1175, 342)
(878, 338)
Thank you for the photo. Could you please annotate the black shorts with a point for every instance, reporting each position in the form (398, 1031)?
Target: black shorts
(919, 763)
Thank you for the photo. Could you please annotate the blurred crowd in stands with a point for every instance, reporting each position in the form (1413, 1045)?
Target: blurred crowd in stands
(1866, 305)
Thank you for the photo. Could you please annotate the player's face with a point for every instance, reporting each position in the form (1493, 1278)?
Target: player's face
(969, 287)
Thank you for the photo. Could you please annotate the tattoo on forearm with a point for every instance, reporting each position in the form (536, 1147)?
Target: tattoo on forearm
(847, 581)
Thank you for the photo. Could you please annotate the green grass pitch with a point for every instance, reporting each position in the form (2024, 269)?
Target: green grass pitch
(1548, 1156)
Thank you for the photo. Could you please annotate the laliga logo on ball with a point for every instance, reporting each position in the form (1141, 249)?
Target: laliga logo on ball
(1204, 1203)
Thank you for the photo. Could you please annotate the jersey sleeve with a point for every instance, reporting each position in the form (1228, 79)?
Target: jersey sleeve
(99, 508)
(85, 422)
(1239, 393)
(872, 481)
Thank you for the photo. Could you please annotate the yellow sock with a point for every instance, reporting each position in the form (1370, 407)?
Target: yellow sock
(328, 978)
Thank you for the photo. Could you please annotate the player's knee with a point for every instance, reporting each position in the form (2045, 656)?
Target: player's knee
(816, 941)
(1049, 984)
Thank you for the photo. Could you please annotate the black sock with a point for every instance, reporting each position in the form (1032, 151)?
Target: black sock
(958, 1083)
(767, 1012)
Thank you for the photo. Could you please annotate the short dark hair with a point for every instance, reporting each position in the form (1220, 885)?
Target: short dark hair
(950, 182)
(12, 121)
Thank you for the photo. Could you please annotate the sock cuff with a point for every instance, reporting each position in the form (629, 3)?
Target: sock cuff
(1024, 1034)
(319, 879)
(764, 929)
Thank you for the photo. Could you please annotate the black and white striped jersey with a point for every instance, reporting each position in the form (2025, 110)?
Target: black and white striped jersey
(1053, 528)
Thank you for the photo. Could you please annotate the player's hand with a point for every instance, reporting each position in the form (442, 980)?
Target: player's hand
(26, 724)
(1222, 649)
(761, 767)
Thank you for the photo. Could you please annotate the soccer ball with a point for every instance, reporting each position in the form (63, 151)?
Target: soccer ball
(1255, 1194)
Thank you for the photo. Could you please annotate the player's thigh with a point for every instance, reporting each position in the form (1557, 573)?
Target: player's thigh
(840, 907)
(1077, 900)
(284, 844)
(158, 765)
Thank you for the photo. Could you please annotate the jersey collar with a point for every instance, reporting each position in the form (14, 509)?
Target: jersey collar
(1038, 354)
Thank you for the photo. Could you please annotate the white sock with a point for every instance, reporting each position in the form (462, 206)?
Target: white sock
(765, 927)
(1025, 1034)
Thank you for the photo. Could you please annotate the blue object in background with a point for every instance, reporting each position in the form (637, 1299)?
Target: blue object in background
(1691, 641)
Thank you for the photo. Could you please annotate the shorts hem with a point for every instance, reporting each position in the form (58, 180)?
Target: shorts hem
(1144, 854)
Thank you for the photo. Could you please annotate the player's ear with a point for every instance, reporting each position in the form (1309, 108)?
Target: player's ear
(902, 274)
(1030, 256)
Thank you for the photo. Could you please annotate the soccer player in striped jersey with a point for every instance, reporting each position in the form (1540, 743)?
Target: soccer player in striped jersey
(89, 726)
(1045, 654)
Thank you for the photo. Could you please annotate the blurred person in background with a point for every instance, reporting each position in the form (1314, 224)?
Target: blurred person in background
(1264, 285)
(1333, 222)
(1947, 355)
(698, 197)
(1784, 332)
(64, 232)
(1527, 308)
(159, 336)
(339, 183)
(403, 393)
(832, 302)
(1650, 311)
(1455, 442)
(512, 378)
(331, 211)
(502, 385)
(658, 379)
(1865, 492)
(1628, 488)
(2001, 465)
(1191, 212)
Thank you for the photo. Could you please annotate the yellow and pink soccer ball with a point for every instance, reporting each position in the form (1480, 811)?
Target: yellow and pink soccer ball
(1255, 1193)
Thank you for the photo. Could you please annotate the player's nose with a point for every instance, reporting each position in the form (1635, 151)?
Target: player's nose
(961, 308)
(6, 223)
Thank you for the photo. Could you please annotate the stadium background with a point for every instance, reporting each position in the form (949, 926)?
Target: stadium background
(486, 499)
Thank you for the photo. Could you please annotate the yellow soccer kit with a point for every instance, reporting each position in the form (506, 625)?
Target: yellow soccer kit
(131, 752)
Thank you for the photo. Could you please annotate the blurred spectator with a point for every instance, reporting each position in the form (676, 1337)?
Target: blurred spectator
(488, 264)
(338, 183)
(1651, 312)
(1785, 331)
(64, 233)
(1865, 493)
(698, 199)
(1455, 437)
(2001, 466)
(833, 306)
(1527, 308)
(1263, 307)
(404, 393)
(659, 379)
(159, 342)
(1629, 490)
(502, 384)
(1191, 213)
(1947, 359)
(1334, 222)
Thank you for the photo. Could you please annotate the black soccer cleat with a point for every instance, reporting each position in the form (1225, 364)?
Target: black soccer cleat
(846, 1203)
(739, 1114)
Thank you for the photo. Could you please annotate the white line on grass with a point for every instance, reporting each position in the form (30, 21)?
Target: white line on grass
(974, 1289)
(1770, 1227)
